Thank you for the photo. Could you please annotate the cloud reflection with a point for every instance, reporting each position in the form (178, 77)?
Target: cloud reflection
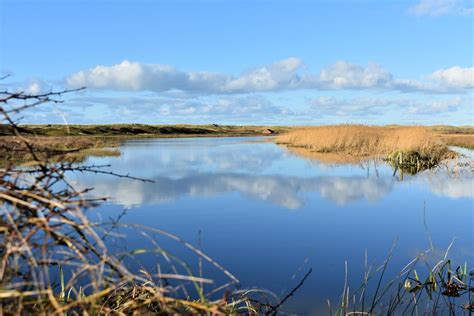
(452, 187)
(287, 192)
(259, 170)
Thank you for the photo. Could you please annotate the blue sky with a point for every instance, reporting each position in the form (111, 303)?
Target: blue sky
(244, 62)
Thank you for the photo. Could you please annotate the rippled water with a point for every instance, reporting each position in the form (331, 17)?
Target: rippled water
(267, 215)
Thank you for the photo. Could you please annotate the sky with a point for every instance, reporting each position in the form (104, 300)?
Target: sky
(243, 62)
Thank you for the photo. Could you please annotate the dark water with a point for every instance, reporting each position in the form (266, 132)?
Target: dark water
(269, 216)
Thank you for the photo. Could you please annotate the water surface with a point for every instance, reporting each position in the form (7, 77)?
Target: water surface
(268, 215)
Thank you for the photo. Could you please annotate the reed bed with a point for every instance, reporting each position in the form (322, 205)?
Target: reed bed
(402, 145)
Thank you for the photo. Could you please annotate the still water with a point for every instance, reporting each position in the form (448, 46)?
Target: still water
(269, 216)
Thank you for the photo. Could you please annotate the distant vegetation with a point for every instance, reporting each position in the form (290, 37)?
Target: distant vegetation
(142, 130)
(79, 141)
(14, 151)
(66, 142)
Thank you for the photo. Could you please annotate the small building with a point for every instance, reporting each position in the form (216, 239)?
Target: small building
(268, 132)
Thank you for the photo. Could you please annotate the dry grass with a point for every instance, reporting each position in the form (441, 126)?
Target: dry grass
(360, 140)
(404, 144)
(460, 140)
(326, 158)
(13, 150)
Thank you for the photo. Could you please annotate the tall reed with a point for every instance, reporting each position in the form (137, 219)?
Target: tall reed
(405, 145)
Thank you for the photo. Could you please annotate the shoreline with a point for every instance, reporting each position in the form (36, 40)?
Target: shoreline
(61, 140)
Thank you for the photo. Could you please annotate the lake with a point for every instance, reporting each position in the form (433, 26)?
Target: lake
(268, 216)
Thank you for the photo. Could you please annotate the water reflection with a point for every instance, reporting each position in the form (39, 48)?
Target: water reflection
(288, 192)
(255, 169)
(238, 192)
(451, 186)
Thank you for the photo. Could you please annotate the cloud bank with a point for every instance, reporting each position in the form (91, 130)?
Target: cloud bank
(363, 106)
(284, 75)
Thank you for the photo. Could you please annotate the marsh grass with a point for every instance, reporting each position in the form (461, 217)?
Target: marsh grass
(463, 140)
(423, 287)
(404, 146)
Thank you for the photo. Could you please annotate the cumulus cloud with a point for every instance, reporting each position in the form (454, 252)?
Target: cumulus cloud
(279, 75)
(442, 7)
(29, 86)
(283, 75)
(344, 75)
(455, 77)
(134, 76)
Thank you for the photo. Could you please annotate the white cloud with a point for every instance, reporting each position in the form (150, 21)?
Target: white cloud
(442, 7)
(34, 86)
(433, 106)
(279, 75)
(344, 75)
(284, 75)
(363, 106)
(355, 106)
(134, 76)
(253, 108)
(226, 106)
(455, 77)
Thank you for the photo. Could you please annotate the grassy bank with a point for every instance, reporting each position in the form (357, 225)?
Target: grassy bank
(461, 136)
(144, 130)
(14, 150)
(407, 146)
(67, 142)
